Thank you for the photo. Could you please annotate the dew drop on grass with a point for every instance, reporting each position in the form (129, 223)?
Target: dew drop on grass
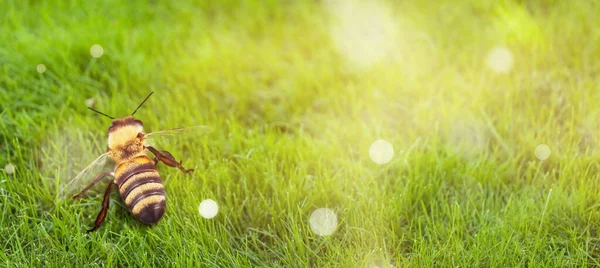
(381, 151)
(500, 60)
(41, 68)
(323, 221)
(542, 152)
(208, 208)
(96, 51)
(9, 169)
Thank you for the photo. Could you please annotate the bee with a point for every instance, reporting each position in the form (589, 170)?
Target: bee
(134, 174)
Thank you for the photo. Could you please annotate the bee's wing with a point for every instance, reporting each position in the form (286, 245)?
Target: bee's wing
(171, 134)
(85, 176)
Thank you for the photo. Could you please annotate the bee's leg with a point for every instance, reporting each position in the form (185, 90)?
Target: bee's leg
(102, 214)
(96, 180)
(168, 159)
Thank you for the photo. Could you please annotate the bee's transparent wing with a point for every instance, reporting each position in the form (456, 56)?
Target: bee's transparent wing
(172, 135)
(85, 177)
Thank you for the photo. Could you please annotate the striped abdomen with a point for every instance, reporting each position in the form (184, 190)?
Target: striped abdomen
(141, 188)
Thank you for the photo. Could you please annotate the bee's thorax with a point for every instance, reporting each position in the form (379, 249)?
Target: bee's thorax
(127, 151)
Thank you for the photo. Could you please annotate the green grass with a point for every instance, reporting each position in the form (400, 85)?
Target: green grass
(293, 117)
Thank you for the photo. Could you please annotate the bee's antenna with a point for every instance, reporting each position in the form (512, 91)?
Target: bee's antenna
(142, 102)
(101, 113)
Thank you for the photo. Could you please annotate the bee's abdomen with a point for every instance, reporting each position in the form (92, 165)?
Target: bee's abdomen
(142, 190)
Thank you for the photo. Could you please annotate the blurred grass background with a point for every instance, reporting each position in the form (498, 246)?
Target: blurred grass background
(296, 92)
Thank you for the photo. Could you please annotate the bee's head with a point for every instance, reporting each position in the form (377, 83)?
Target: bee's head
(126, 122)
(124, 131)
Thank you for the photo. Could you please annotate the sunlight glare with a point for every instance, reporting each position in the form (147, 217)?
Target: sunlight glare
(41, 68)
(500, 60)
(96, 51)
(379, 264)
(468, 137)
(90, 102)
(381, 151)
(542, 152)
(323, 221)
(9, 169)
(208, 208)
(364, 32)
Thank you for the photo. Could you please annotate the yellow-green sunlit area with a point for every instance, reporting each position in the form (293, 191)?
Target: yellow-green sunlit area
(299, 133)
